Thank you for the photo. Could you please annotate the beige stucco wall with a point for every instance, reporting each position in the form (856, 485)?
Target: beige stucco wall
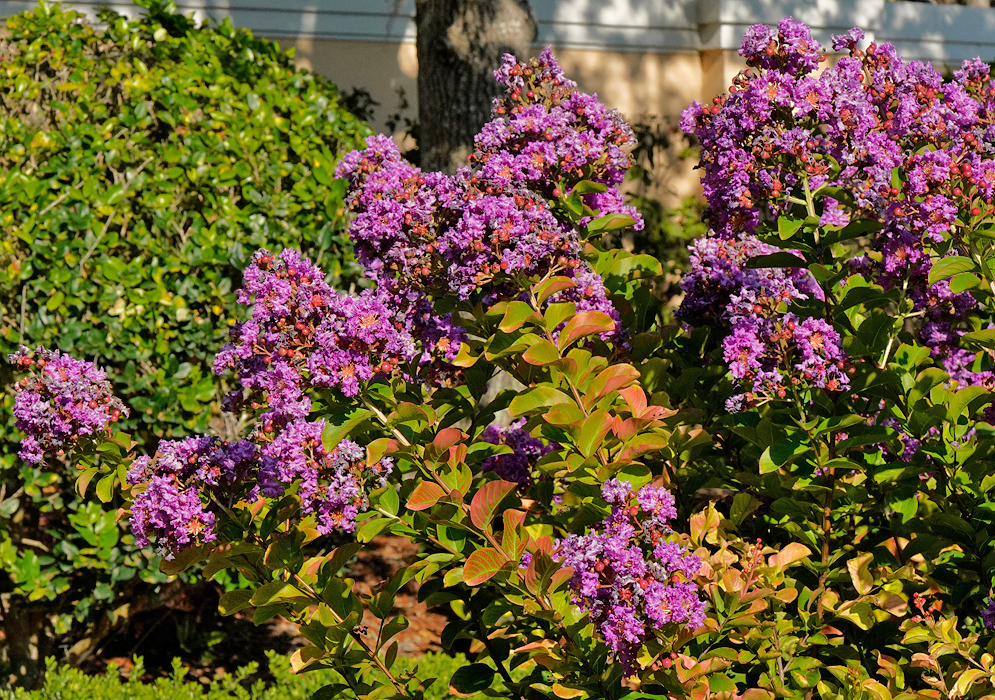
(634, 83)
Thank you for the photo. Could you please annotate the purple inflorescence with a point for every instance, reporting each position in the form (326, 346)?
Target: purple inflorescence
(193, 482)
(770, 352)
(988, 615)
(332, 485)
(468, 236)
(188, 482)
(786, 130)
(526, 451)
(60, 403)
(629, 575)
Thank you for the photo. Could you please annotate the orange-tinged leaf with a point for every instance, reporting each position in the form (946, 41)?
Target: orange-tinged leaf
(790, 554)
(486, 501)
(642, 444)
(481, 565)
(593, 431)
(611, 379)
(635, 397)
(584, 324)
(446, 438)
(541, 353)
(425, 495)
(552, 286)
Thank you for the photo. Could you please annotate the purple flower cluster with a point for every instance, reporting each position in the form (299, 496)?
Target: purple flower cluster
(303, 335)
(988, 615)
(60, 403)
(547, 132)
(426, 235)
(188, 481)
(526, 451)
(331, 485)
(786, 130)
(630, 575)
(770, 351)
(720, 286)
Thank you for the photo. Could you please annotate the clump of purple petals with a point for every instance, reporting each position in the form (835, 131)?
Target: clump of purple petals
(61, 403)
(525, 452)
(988, 615)
(786, 130)
(630, 575)
(188, 482)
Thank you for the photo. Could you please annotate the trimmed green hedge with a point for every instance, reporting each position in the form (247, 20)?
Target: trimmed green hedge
(142, 162)
(66, 683)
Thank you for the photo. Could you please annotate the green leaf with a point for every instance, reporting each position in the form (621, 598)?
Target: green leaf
(105, 488)
(532, 400)
(371, 528)
(517, 315)
(588, 187)
(781, 259)
(788, 227)
(471, 679)
(948, 267)
(564, 414)
(985, 338)
(593, 431)
(963, 282)
(610, 222)
(233, 601)
(541, 353)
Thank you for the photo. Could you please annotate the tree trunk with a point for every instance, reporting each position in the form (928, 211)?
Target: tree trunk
(25, 645)
(460, 45)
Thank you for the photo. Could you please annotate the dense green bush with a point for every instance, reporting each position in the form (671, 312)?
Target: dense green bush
(66, 682)
(141, 164)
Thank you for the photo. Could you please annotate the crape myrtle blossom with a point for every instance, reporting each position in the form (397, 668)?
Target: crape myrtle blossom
(188, 484)
(467, 236)
(187, 481)
(786, 129)
(630, 575)
(526, 450)
(770, 352)
(332, 484)
(61, 403)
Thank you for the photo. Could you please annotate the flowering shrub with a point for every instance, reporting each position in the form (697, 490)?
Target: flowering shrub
(827, 393)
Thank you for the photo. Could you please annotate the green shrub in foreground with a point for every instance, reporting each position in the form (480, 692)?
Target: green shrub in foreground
(141, 164)
(63, 682)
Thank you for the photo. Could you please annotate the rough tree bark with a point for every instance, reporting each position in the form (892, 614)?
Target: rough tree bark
(460, 44)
